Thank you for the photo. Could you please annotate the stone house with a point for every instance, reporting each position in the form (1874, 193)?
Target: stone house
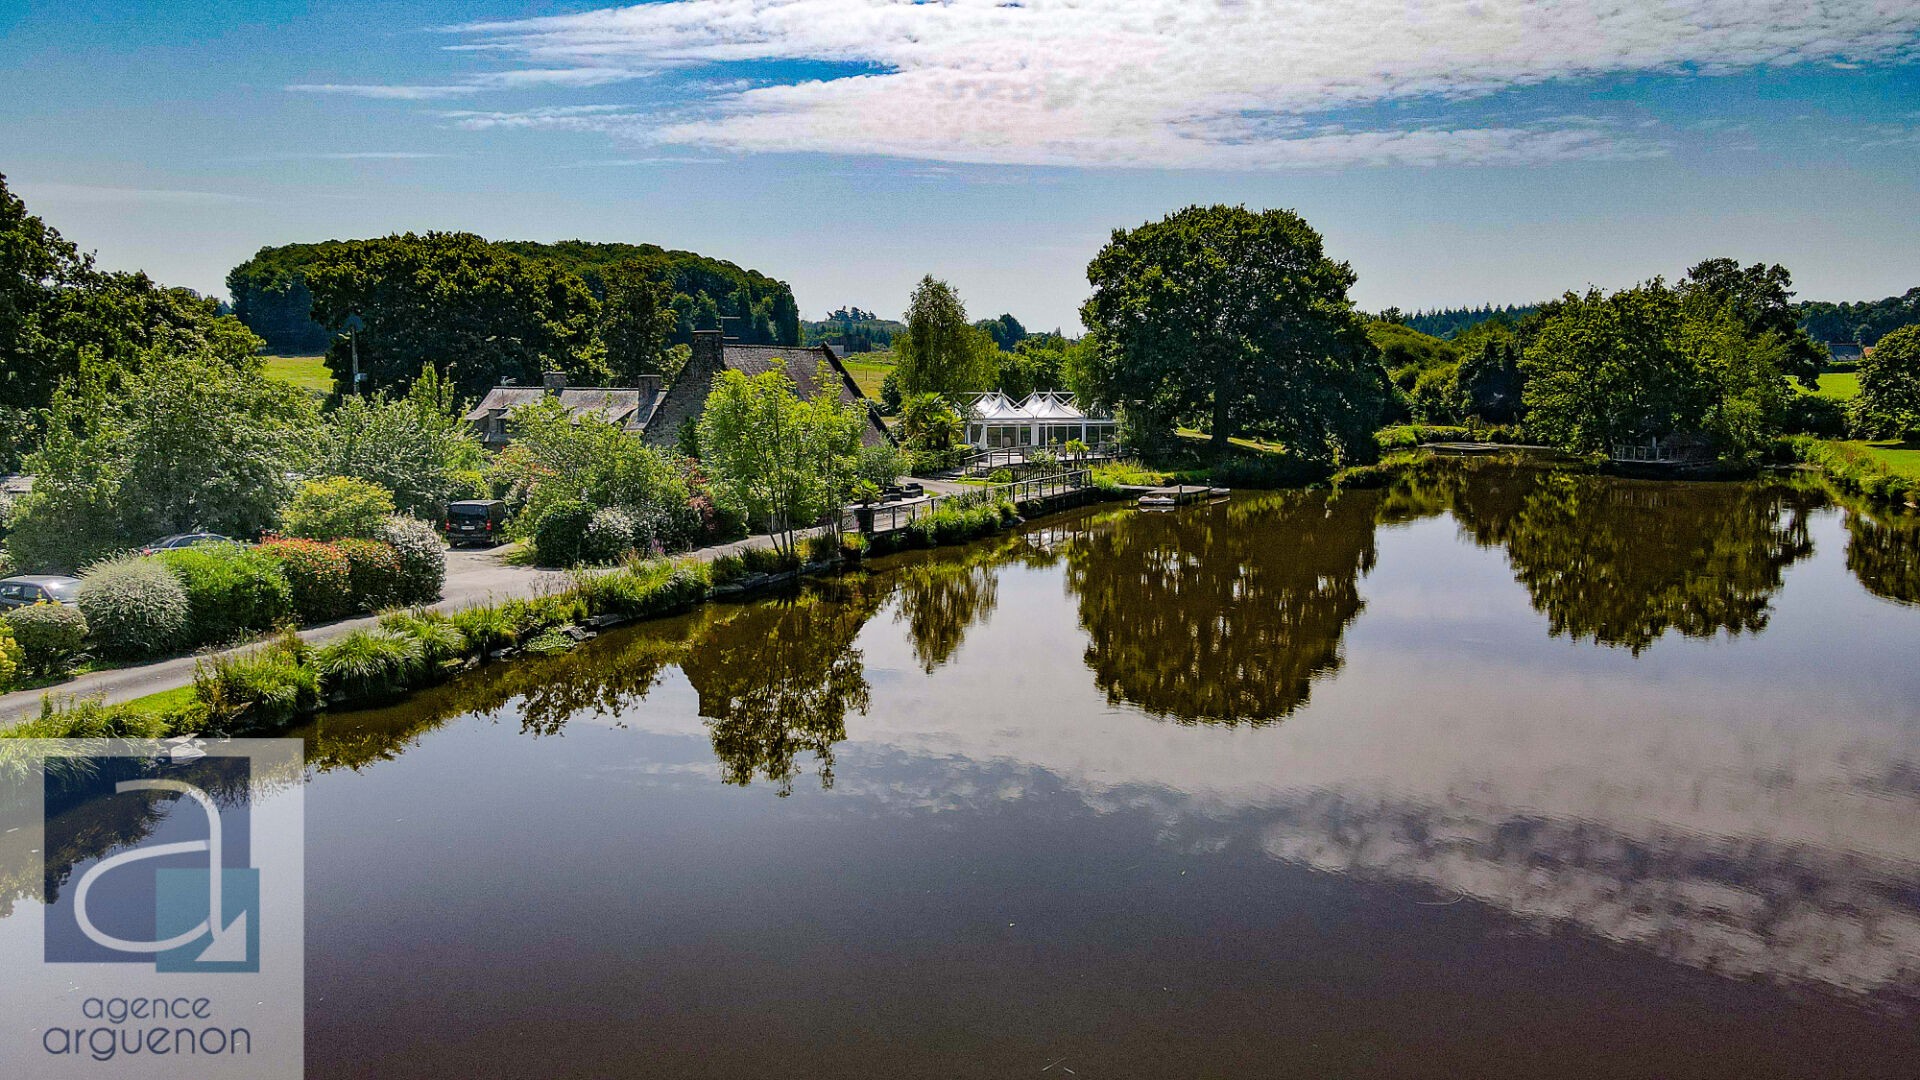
(655, 413)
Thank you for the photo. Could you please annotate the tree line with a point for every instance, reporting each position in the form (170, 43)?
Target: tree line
(511, 306)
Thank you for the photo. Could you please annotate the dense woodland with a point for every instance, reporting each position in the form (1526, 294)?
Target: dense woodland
(1861, 323)
(270, 293)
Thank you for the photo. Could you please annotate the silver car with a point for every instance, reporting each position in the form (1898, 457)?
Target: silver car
(38, 589)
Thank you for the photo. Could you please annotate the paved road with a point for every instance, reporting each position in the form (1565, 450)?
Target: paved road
(474, 576)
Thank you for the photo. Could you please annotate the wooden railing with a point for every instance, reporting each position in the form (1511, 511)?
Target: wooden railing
(982, 462)
(893, 516)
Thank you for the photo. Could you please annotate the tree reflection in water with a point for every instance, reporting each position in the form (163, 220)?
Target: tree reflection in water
(1223, 614)
(1624, 561)
(944, 594)
(1883, 552)
(776, 679)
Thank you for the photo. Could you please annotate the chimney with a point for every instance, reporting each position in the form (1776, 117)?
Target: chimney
(554, 381)
(649, 388)
(709, 351)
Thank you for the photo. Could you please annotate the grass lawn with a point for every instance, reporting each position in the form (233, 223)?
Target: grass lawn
(306, 372)
(1898, 457)
(165, 699)
(1839, 385)
(868, 370)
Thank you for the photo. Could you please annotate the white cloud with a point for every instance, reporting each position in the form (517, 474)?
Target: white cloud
(476, 84)
(385, 93)
(556, 118)
(580, 76)
(1192, 83)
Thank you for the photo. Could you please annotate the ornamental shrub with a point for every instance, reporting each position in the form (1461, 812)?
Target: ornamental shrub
(232, 591)
(486, 628)
(373, 573)
(318, 575)
(338, 508)
(609, 536)
(423, 558)
(11, 658)
(261, 689)
(49, 636)
(559, 532)
(370, 665)
(135, 608)
(641, 589)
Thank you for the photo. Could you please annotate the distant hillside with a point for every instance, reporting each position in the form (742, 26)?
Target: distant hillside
(1865, 322)
(1446, 322)
(270, 295)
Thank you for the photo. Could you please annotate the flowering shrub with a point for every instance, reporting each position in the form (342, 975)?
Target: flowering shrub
(318, 575)
(423, 558)
(373, 573)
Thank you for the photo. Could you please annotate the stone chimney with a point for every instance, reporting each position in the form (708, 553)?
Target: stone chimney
(709, 349)
(554, 381)
(649, 388)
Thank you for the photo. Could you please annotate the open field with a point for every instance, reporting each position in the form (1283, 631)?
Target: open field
(1899, 457)
(1839, 385)
(305, 372)
(868, 370)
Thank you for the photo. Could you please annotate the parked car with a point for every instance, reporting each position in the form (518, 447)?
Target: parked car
(476, 521)
(38, 588)
(181, 540)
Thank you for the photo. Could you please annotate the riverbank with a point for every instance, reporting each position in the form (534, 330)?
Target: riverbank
(493, 613)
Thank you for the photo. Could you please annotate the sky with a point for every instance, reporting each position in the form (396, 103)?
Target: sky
(1458, 152)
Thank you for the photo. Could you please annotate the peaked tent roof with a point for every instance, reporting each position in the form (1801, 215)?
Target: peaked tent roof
(994, 406)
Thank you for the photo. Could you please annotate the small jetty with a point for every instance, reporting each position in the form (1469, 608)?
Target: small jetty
(1166, 498)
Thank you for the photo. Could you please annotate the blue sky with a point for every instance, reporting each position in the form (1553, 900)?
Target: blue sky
(1458, 152)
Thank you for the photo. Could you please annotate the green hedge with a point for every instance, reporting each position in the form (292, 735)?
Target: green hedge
(373, 573)
(318, 575)
(232, 591)
(50, 636)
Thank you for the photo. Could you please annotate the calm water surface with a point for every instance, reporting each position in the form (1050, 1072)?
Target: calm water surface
(1500, 772)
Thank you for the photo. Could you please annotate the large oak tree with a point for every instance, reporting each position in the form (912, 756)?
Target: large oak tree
(1236, 322)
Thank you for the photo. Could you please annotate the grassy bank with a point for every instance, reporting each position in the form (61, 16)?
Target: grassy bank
(272, 686)
(1881, 472)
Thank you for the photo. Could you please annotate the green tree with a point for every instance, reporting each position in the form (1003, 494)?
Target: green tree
(184, 441)
(338, 508)
(940, 353)
(1489, 380)
(418, 445)
(453, 302)
(927, 422)
(57, 311)
(775, 459)
(1760, 299)
(1609, 369)
(1890, 384)
(1234, 321)
(559, 457)
(635, 319)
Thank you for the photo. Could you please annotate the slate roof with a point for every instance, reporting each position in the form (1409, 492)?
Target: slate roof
(688, 395)
(625, 407)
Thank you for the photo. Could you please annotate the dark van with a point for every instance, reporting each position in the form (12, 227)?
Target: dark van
(476, 521)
